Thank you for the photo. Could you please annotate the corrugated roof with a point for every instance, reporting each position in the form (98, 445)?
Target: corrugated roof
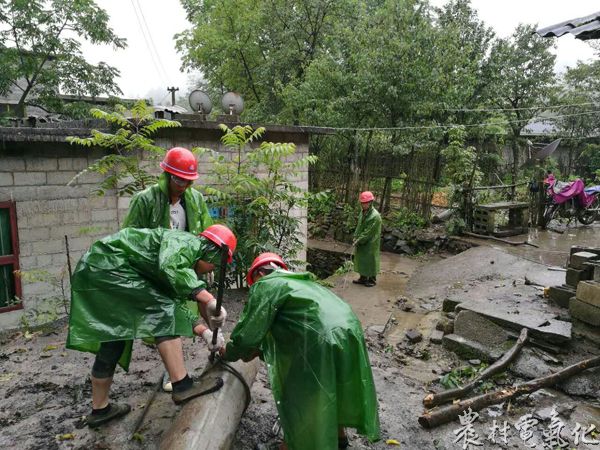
(583, 28)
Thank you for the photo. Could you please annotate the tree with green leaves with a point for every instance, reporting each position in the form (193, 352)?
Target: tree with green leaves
(257, 189)
(130, 142)
(40, 51)
(523, 68)
(257, 48)
(580, 93)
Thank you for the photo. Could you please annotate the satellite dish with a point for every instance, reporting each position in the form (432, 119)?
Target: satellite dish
(233, 103)
(547, 150)
(200, 102)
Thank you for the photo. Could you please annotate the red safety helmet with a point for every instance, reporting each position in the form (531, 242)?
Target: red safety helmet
(366, 196)
(261, 260)
(180, 162)
(219, 235)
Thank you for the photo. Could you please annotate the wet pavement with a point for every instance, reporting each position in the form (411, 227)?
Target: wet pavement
(554, 244)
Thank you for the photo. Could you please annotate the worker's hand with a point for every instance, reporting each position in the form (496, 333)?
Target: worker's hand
(214, 320)
(207, 335)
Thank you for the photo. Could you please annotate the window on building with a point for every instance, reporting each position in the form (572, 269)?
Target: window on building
(10, 284)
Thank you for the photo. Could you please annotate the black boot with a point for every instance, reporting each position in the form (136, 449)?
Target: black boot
(370, 282)
(361, 280)
(112, 411)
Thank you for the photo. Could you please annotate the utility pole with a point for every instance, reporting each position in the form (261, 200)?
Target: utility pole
(172, 90)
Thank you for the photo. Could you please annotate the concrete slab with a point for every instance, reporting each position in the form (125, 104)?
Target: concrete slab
(584, 312)
(589, 292)
(561, 295)
(475, 264)
(585, 384)
(468, 349)
(574, 276)
(540, 323)
(578, 259)
(475, 327)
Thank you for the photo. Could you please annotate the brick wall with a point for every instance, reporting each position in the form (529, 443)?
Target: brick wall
(34, 176)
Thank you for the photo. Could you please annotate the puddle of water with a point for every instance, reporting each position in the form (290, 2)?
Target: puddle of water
(554, 247)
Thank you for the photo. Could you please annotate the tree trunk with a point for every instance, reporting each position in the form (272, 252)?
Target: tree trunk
(432, 419)
(499, 366)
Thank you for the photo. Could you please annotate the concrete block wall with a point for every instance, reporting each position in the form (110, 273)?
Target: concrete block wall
(34, 175)
(301, 180)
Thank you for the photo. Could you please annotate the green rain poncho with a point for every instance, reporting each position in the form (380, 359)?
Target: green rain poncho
(368, 241)
(133, 284)
(316, 356)
(150, 208)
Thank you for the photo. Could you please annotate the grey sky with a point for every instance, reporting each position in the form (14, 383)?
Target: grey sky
(141, 75)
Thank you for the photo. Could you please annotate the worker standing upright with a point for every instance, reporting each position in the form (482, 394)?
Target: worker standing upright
(171, 203)
(367, 241)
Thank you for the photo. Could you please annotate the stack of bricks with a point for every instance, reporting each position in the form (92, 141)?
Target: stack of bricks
(584, 265)
(585, 306)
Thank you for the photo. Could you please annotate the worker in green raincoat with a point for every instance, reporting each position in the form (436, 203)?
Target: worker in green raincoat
(134, 284)
(367, 241)
(315, 352)
(171, 203)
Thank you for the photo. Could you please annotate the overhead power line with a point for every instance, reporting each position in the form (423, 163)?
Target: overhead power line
(158, 58)
(162, 75)
(530, 108)
(454, 125)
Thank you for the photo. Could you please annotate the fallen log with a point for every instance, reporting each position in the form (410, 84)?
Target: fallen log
(494, 238)
(210, 422)
(432, 419)
(499, 366)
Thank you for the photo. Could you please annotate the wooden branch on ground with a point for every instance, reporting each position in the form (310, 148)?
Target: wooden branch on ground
(499, 366)
(432, 419)
(494, 238)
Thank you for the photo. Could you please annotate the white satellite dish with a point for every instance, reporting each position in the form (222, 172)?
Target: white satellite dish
(200, 102)
(232, 103)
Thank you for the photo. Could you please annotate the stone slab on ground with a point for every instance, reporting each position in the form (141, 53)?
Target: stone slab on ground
(468, 349)
(436, 337)
(474, 265)
(584, 312)
(515, 316)
(578, 259)
(529, 365)
(585, 331)
(585, 384)
(561, 295)
(589, 292)
(475, 327)
(574, 276)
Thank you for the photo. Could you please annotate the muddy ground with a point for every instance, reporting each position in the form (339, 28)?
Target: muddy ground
(45, 389)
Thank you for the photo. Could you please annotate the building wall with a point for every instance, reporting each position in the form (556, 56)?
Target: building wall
(34, 175)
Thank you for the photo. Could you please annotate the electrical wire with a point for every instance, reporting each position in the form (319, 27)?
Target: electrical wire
(152, 41)
(156, 67)
(530, 108)
(454, 125)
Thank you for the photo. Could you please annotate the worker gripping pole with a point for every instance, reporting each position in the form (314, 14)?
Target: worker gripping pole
(220, 289)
